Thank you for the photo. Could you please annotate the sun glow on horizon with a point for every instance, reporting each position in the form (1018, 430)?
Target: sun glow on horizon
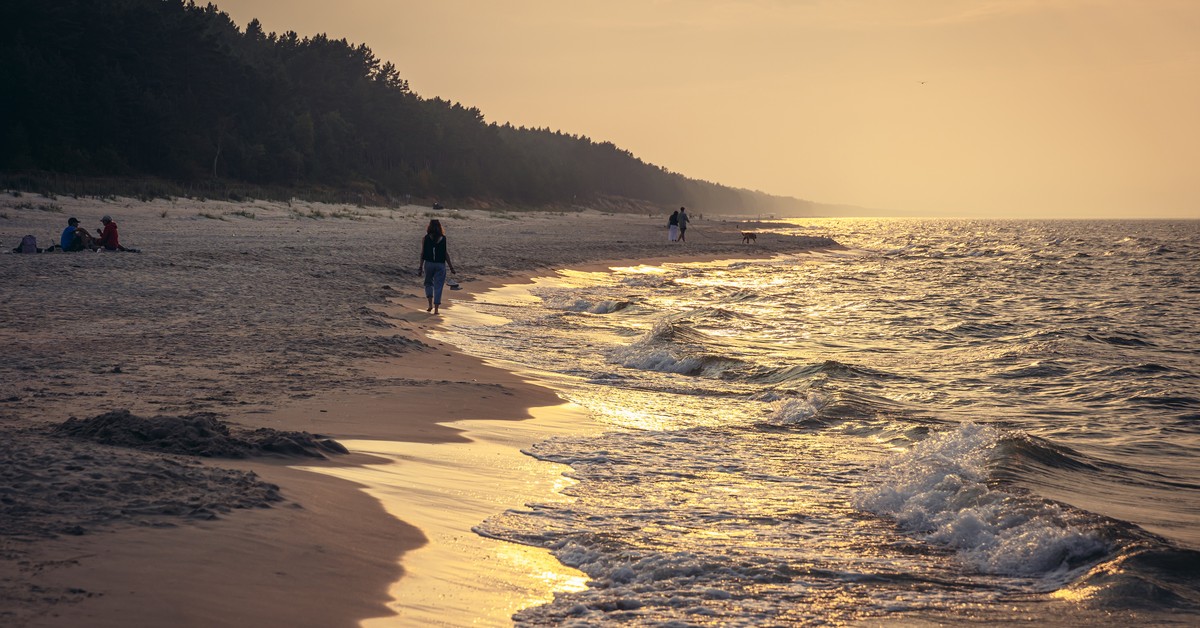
(1005, 108)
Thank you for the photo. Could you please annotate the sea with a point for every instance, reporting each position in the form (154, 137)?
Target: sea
(991, 422)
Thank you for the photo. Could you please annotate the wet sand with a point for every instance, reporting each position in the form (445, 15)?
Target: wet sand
(301, 318)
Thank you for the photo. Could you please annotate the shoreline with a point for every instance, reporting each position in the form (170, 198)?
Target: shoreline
(336, 554)
(475, 579)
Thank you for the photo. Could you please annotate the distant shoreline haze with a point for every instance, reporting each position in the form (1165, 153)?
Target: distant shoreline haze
(116, 94)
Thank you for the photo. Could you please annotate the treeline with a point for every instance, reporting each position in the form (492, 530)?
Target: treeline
(174, 90)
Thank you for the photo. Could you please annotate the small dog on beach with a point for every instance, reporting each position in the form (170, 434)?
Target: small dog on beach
(748, 237)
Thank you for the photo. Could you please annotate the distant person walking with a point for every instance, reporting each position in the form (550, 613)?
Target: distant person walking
(435, 259)
(673, 227)
(683, 222)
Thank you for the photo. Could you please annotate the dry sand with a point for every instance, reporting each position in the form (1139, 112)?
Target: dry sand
(294, 317)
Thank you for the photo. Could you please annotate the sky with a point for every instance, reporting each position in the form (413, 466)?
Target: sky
(989, 108)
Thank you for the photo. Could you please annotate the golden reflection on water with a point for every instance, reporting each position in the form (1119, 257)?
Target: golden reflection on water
(618, 409)
(459, 577)
(1083, 592)
(643, 269)
(539, 565)
(1076, 594)
(796, 504)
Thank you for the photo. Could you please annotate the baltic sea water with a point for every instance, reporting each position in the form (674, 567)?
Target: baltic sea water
(943, 420)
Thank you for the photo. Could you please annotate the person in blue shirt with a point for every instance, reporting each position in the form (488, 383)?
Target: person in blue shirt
(73, 238)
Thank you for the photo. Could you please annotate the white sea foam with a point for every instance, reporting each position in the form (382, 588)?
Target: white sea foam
(574, 304)
(608, 307)
(644, 280)
(653, 353)
(647, 358)
(939, 490)
(798, 410)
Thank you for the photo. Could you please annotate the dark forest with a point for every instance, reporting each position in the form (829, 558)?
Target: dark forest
(168, 89)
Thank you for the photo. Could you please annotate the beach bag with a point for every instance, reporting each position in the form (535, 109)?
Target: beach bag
(28, 245)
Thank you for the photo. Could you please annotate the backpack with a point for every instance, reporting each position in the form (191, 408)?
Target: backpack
(28, 245)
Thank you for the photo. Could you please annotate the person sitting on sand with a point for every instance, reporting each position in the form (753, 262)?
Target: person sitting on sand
(435, 259)
(76, 239)
(108, 235)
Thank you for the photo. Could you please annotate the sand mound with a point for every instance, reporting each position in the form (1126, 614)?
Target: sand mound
(202, 434)
(51, 486)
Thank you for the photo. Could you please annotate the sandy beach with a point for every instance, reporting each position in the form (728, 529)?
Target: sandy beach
(172, 418)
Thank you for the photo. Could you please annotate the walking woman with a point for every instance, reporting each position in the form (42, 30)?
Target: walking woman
(435, 259)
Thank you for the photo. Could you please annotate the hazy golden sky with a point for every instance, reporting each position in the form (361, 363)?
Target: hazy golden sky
(1087, 108)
